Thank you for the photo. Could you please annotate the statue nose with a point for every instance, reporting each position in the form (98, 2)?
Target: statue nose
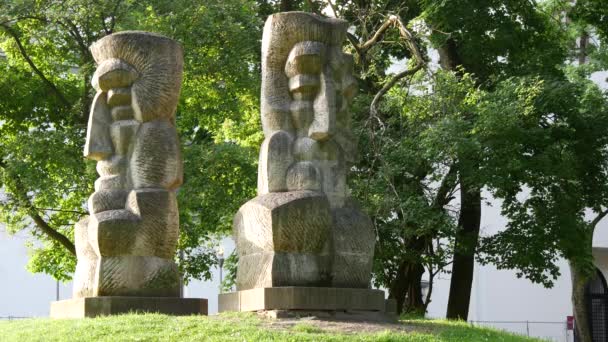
(98, 145)
(324, 123)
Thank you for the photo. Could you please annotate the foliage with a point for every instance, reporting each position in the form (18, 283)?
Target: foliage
(557, 172)
(239, 327)
(230, 266)
(497, 39)
(423, 144)
(404, 163)
(592, 12)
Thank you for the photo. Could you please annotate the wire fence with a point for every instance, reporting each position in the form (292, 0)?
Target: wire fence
(551, 331)
(12, 318)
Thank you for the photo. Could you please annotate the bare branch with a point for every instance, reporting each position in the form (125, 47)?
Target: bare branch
(379, 33)
(407, 36)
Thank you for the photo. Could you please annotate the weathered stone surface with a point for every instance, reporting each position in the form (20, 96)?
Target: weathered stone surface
(303, 229)
(103, 306)
(292, 222)
(145, 276)
(282, 240)
(127, 244)
(353, 240)
(303, 298)
(270, 269)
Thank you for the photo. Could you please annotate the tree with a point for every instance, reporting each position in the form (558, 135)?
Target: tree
(489, 42)
(561, 167)
(45, 101)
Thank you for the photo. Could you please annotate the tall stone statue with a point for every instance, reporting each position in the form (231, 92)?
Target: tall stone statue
(303, 230)
(126, 246)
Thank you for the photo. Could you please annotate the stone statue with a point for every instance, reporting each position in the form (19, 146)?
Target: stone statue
(303, 229)
(127, 245)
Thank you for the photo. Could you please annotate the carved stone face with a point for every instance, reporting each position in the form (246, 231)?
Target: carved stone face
(131, 130)
(307, 87)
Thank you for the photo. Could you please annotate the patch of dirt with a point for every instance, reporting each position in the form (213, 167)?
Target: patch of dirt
(340, 325)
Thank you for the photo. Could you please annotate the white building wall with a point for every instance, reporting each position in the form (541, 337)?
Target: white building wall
(23, 294)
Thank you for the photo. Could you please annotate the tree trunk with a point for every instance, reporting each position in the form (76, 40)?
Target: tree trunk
(582, 51)
(469, 220)
(464, 251)
(413, 298)
(406, 290)
(581, 319)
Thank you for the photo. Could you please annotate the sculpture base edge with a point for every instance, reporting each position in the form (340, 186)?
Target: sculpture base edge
(114, 305)
(335, 303)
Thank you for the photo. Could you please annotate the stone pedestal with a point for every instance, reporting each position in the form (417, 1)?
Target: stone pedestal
(330, 302)
(113, 305)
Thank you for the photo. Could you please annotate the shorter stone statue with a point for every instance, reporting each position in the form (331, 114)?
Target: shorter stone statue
(126, 247)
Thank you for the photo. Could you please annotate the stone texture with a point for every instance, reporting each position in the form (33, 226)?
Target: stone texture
(103, 306)
(303, 229)
(303, 298)
(329, 315)
(127, 244)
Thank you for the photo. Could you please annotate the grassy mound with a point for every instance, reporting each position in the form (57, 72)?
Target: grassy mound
(241, 327)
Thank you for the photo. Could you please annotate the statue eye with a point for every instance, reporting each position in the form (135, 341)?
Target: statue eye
(303, 64)
(305, 58)
(304, 86)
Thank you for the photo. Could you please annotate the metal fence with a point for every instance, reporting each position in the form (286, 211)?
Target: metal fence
(551, 331)
(12, 318)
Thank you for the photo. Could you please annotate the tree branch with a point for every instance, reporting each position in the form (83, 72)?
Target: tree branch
(445, 189)
(379, 33)
(598, 218)
(373, 106)
(25, 202)
(113, 16)
(29, 61)
(406, 35)
(62, 211)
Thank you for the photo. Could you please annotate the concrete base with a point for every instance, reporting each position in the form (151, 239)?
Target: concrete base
(102, 306)
(305, 301)
(331, 315)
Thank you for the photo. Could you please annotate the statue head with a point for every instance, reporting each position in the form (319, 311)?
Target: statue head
(307, 87)
(131, 131)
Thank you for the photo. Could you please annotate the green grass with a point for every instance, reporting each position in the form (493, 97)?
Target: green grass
(231, 327)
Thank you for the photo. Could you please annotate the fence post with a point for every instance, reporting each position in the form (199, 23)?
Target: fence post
(528, 328)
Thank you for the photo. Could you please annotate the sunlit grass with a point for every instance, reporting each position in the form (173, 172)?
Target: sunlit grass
(231, 327)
